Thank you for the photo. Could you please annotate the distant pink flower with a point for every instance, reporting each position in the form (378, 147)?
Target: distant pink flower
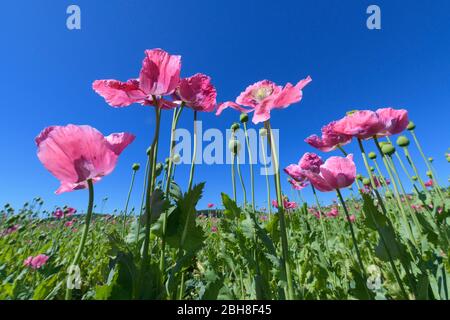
(394, 121)
(289, 204)
(70, 212)
(159, 76)
(210, 205)
(36, 262)
(68, 224)
(352, 218)
(197, 92)
(10, 230)
(334, 212)
(263, 218)
(335, 173)
(275, 203)
(429, 183)
(58, 214)
(330, 139)
(74, 154)
(214, 229)
(360, 124)
(440, 210)
(264, 96)
(314, 212)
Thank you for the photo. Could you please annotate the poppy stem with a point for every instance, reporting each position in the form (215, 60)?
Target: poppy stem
(355, 243)
(241, 180)
(401, 163)
(176, 117)
(126, 204)
(283, 234)
(263, 148)
(147, 168)
(194, 153)
(250, 159)
(77, 258)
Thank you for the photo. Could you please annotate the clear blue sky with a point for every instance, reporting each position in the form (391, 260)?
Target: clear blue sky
(46, 75)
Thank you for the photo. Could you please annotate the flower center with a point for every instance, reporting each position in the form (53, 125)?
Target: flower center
(262, 93)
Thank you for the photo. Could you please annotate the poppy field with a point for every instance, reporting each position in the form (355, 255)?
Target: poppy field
(385, 237)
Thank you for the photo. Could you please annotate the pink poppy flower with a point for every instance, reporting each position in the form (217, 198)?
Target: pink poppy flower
(74, 154)
(289, 204)
(10, 230)
(264, 96)
(68, 224)
(58, 214)
(335, 173)
(314, 212)
(440, 210)
(27, 261)
(214, 229)
(429, 183)
(308, 162)
(275, 203)
(352, 218)
(330, 139)
(263, 218)
(298, 185)
(210, 205)
(70, 212)
(394, 121)
(159, 76)
(360, 124)
(197, 92)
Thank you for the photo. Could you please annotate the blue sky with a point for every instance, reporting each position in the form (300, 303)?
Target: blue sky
(47, 71)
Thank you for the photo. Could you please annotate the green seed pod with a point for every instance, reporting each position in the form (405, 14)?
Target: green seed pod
(136, 166)
(388, 194)
(414, 178)
(41, 202)
(263, 132)
(448, 158)
(372, 169)
(411, 126)
(372, 155)
(430, 159)
(359, 177)
(235, 126)
(176, 158)
(429, 174)
(158, 169)
(234, 146)
(7, 205)
(26, 204)
(403, 141)
(243, 118)
(167, 161)
(388, 149)
(366, 182)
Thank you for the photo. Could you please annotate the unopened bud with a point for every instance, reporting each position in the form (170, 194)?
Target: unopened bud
(411, 126)
(234, 146)
(235, 126)
(372, 155)
(403, 141)
(388, 149)
(136, 166)
(243, 118)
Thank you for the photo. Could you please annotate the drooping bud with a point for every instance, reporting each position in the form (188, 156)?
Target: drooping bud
(403, 141)
(243, 118)
(234, 146)
(136, 166)
(235, 126)
(372, 155)
(388, 149)
(411, 126)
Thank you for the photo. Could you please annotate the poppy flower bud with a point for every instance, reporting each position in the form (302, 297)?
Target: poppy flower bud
(243, 118)
(158, 169)
(263, 132)
(234, 146)
(429, 174)
(235, 126)
(136, 166)
(388, 149)
(372, 169)
(372, 155)
(366, 181)
(411, 126)
(176, 158)
(359, 177)
(430, 159)
(414, 178)
(403, 141)
(167, 161)
(388, 194)
(448, 157)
